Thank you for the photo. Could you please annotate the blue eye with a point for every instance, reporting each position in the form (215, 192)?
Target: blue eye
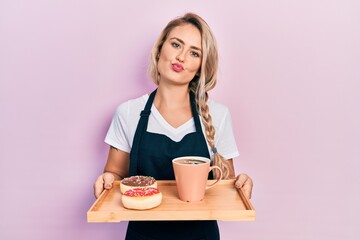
(175, 45)
(195, 54)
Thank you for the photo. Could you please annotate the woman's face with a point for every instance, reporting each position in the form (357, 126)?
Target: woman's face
(180, 56)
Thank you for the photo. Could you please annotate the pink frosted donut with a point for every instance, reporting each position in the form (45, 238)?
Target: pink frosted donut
(141, 198)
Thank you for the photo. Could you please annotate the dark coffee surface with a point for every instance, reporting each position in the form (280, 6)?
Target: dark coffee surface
(190, 161)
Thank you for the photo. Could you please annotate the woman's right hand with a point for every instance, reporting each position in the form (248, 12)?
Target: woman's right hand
(116, 168)
(104, 181)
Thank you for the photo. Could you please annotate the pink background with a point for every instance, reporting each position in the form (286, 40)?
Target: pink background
(289, 72)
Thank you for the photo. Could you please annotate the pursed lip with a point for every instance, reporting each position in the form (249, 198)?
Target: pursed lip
(177, 67)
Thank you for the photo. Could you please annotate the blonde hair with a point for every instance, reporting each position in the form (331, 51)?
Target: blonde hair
(203, 82)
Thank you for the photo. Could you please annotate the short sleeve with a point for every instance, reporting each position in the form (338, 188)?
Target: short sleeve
(224, 136)
(117, 135)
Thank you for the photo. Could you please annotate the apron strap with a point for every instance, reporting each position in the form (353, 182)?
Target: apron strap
(142, 125)
(195, 113)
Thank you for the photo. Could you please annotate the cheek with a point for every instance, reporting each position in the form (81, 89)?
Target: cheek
(160, 66)
(162, 60)
(166, 53)
(195, 66)
(163, 64)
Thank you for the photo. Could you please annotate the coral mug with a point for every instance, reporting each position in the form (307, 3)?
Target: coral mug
(191, 175)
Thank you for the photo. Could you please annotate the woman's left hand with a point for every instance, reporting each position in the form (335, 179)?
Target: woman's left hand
(245, 182)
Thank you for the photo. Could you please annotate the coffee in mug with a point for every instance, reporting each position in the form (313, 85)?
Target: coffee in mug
(190, 161)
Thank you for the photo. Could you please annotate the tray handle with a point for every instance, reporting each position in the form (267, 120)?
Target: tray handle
(99, 200)
(246, 201)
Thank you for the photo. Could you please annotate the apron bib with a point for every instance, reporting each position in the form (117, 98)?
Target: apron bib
(151, 155)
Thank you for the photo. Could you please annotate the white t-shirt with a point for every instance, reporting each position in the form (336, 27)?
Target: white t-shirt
(125, 120)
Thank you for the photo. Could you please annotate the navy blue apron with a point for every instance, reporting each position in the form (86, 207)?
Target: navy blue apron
(151, 155)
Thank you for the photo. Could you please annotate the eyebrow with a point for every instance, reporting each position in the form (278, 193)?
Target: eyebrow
(182, 42)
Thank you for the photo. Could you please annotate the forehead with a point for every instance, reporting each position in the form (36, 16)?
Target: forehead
(188, 33)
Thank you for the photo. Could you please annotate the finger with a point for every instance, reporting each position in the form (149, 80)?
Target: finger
(247, 188)
(108, 180)
(98, 186)
(240, 180)
(244, 182)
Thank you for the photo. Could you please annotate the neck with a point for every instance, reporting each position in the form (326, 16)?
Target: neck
(172, 97)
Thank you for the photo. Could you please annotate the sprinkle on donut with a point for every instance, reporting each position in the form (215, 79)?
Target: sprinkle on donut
(142, 192)
(138, 181)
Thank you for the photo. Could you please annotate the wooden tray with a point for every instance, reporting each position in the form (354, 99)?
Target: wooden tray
(222, 202)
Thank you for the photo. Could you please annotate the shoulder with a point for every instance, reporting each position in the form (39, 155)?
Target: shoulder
(220, 113)
(132, 106)
(217, 109)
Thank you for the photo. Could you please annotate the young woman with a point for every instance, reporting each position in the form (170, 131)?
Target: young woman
(177, 119)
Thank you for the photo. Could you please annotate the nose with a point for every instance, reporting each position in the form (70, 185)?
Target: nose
(181, 56)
